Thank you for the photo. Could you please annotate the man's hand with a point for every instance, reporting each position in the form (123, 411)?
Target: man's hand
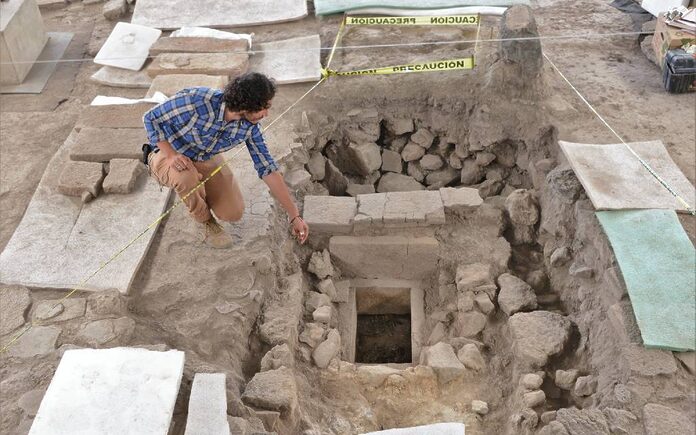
(173, 159)
(300, 229)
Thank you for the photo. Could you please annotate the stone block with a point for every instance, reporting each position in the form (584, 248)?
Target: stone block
(330, 214)
(275, 390)
(460, 199)
(365, 156)
(38, 341)
(293, 60)
(207, 410)
(327, 350)
(423, 208)
(16, 301)
(198, 44)
(391, 161)
(471, 276)
(538, 335)
(216, 64)
(441, 178)
(22, 38)
(360, 189)
(386, 256)
(442, 359)
(68, 309)
(412, 152)
(115, 116)
(123, 174)
(423, 137)
(121, 78)
(137, 383)
(398, 126)
(114, 9)
(297, 179)
(170, 84)
(370, 210)
(82, 179)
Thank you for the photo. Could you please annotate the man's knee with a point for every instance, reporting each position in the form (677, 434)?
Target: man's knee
(231, 214)
(186, 181)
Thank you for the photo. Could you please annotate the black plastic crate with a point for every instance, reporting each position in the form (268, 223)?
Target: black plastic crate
(679, 71)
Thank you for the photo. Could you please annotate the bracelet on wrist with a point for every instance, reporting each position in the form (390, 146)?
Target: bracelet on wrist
(293, 219)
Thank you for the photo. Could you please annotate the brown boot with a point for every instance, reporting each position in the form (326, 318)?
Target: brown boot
(215, 236)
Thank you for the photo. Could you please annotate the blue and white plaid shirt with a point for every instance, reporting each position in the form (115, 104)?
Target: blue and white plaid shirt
(193, 122)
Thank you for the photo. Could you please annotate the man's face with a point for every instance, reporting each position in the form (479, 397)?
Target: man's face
(255, 117)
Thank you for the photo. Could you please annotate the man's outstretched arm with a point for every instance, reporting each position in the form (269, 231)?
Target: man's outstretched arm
(281, 193)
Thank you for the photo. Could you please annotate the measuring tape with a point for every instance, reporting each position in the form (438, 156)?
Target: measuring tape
(443, 20)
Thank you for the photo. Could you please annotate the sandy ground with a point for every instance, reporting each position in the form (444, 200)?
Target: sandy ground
(612, 73)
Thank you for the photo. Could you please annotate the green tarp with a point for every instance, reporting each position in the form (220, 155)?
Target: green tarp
(658, 263)
(327, 7)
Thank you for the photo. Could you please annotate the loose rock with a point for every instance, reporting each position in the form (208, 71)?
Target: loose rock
(534, 398)
(391, 182)
(279, 356)
(585, 386)
(320, 264)
(522, 208)
(515, 295)
(538, 335)
(565, 379)
(327, 350)
(273, 389)
(532, 381)
(479, 407)
(471, 324)
(471, 357)
(444, 362)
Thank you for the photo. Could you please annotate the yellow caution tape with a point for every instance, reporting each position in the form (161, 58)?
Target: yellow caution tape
(443, 20)
(439, 65)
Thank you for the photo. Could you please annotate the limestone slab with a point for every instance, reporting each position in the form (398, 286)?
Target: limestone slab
(198, 44)
(428, 429)
(462, 198)
(60, 241)
(22, 39)
(46, 63)
(417, 207)
(121, 78)
(293, 60)
(327, 7)
(330, 214)
(216, 64)
(614, 178)
(68, 309)
(170, 84)
(207, 411)
(127, 46)
(386, 256)
(104, 144)
(215, 13)
(114, 116)
(38, 341)
(122, 390)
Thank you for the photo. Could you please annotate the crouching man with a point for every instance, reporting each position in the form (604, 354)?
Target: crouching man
(188, 132)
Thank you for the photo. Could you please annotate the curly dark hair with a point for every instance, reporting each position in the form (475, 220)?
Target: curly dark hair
(250, 92)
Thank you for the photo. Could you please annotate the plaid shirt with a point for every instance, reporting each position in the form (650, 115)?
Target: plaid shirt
(193, 122)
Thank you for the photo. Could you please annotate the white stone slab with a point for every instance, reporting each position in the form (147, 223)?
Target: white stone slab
(111, 391)
(45, 64)
(655, 7)
(429, 429)
(61, 241)
(293, 60)
(216, 13)
(207, 411)
(614, 178)
(122, 78)
(128, 46)
(22, 39)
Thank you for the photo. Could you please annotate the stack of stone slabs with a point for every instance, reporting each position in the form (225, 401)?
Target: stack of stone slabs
(61, 241)
(216, 13)
(111, 391)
